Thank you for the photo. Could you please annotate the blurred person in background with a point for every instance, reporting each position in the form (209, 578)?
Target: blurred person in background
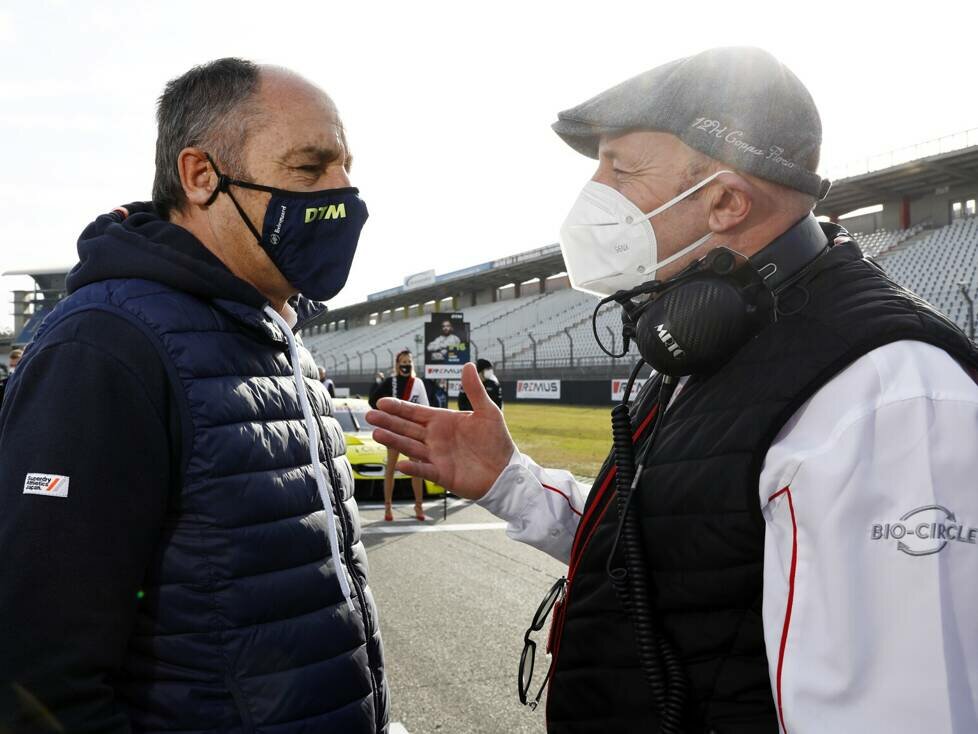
(327, 382)
(436, 391)
(180, 541)
(489, 381)
(440, 392)
(785, 537)
(404, 385)
(12, 361)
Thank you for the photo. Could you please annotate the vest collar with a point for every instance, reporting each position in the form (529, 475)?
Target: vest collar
(790, 253)
(258, 323)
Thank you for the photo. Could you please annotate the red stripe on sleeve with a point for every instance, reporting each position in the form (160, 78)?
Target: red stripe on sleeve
(566, 497)
(791, 598)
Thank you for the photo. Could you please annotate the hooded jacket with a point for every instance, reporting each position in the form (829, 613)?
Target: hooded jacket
(174, 558)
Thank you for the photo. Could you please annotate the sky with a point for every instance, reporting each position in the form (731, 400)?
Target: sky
(447, 105)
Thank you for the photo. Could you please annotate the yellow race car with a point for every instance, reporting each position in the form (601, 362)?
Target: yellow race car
(367, 457)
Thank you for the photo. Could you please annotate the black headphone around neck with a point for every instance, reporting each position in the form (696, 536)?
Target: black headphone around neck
(694, 322)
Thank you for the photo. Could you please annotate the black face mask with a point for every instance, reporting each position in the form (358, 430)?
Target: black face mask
(311, 236)
(404, 369)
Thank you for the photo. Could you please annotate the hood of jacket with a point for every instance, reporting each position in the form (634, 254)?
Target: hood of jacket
(144, 245)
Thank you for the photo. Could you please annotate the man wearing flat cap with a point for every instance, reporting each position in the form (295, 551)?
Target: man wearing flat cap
(785, 535)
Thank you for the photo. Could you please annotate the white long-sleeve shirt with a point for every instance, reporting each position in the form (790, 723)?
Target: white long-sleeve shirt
(870, 496)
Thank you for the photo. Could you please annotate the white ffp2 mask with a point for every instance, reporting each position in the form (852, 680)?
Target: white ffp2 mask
(609, 244)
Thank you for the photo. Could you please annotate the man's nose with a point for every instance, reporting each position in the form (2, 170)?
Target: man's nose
(337, 178)
(605, 175)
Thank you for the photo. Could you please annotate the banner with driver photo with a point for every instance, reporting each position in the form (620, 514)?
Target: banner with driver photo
(446, 346)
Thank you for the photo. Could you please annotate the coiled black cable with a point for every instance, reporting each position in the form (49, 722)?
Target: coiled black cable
(601, 346)
(657, 657)
(629, 581)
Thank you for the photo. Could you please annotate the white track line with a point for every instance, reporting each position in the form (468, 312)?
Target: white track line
(428, 505)
(397, 728)
(403, 529)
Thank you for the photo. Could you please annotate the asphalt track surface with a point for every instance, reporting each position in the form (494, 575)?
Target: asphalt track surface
(455, 597)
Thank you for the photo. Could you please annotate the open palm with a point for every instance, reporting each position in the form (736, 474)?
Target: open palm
(462, 451)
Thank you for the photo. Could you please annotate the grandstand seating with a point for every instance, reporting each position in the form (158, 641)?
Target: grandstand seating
(876, 243)
(516, 322)
(933, 264)
(929, 262)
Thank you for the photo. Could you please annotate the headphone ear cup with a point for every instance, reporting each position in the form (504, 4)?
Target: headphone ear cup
(694, 327)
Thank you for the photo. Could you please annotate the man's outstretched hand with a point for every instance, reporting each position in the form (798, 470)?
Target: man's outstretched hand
(463, 451)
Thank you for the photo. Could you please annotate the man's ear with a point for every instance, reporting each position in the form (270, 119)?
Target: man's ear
(197, 176)
(732, 199)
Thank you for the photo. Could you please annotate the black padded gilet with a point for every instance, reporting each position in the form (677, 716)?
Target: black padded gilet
(700, 513)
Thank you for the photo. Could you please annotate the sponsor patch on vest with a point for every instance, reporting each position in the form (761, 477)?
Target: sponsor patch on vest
(52, 485)
(924, 531)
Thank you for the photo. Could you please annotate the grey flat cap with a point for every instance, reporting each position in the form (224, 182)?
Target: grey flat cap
(737, 105)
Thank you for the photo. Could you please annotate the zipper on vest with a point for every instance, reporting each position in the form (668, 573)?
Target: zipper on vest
(239, 700)
(365, 615)
(603, 495)
(348, 557)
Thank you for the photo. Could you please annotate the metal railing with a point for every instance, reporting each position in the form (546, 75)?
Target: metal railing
(350, 364)
(937, 146)
(525, 369)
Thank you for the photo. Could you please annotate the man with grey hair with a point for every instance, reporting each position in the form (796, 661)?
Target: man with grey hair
(181, 545)
(784, 536)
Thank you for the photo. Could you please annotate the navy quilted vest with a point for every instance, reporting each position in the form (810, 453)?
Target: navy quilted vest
(700, 515)
(242, 626)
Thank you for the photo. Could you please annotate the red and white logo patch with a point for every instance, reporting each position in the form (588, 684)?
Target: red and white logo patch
(53, 485)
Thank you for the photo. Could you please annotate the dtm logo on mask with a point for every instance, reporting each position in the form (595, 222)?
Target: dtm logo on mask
(333, 211)
(925, 530)
(670, 344)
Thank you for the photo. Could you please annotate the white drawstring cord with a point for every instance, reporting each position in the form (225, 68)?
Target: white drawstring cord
(312, 431)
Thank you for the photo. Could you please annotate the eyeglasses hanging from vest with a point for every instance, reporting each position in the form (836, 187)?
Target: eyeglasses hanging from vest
(555, 594)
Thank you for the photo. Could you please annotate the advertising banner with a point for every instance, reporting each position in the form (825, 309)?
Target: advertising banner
(538, 389)
(443, 371)
(446, 340)
(618, 389)
(419, 280)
